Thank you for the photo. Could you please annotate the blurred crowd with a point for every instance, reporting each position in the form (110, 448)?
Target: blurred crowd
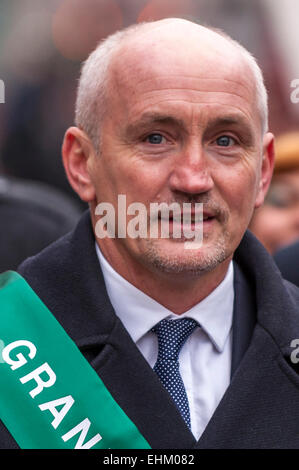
(276, 223)
(41, 49)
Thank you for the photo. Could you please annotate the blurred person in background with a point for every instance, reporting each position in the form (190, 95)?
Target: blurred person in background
(276, 222)
(33, 215)
(34, 127)
(287, 259)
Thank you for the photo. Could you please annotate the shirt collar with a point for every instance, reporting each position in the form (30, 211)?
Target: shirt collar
(139, 312)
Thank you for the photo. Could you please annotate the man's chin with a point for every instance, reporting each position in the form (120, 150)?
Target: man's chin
(172, 256)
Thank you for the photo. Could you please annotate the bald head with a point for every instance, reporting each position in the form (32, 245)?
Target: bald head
(172, 33)
(147, 50)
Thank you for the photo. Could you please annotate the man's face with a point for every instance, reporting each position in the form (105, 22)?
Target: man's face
(181, 126)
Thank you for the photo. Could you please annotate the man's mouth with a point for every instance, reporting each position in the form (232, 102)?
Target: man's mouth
(207, 216)
(193, 218)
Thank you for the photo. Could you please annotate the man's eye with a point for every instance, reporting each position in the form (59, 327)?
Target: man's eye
(225, 141)
(155, 139)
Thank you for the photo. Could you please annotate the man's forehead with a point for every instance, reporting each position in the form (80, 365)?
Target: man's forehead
(162, 51)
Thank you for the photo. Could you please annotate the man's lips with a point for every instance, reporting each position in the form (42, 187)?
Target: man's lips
(193, 217)
(208, 216)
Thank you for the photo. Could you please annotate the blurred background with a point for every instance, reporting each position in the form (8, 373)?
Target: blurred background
(43, 42)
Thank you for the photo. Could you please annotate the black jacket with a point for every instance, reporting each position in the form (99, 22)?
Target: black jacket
(260, 408)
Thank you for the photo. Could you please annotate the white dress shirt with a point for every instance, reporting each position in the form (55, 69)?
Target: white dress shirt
(205, 359)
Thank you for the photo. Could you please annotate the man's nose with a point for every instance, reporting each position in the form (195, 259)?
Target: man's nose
(191, 173)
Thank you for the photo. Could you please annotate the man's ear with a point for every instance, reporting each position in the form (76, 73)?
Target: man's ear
(77, 152)
(266, 169)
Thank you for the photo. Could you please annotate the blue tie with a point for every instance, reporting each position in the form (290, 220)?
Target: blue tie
(172, 334)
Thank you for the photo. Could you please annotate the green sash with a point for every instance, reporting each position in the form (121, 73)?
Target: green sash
(50, 397)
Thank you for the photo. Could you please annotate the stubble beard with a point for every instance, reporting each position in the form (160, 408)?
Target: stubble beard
(188, 261)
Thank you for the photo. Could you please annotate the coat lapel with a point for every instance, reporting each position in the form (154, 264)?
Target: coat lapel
(138, 391)
(260, 409)
(244, 317)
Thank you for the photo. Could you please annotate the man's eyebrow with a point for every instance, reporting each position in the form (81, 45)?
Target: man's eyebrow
(154, 118)
(229, 120)
(233, 120)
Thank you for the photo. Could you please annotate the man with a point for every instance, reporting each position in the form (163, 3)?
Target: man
(171, 112)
